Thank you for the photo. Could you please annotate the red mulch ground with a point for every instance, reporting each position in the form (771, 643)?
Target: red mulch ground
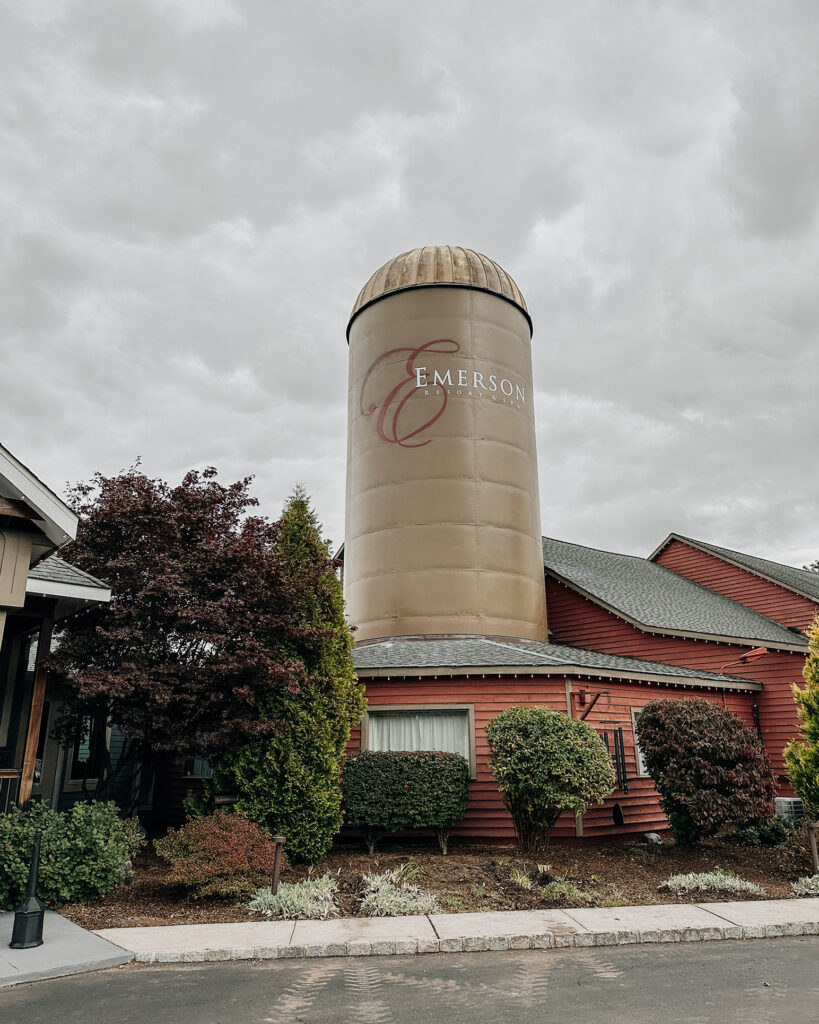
(470, 878)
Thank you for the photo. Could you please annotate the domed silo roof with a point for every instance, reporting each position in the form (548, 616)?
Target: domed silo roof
(439, 265)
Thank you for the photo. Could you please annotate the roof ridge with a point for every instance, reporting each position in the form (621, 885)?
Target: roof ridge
(514, 647)
(747, 554)
(589, 547)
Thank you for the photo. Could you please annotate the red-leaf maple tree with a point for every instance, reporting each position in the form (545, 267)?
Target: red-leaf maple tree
(203, 624)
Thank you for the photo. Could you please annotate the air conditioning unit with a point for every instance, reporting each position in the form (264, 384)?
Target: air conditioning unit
(790, 808)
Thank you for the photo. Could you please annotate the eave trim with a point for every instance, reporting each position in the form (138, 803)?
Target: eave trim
(743, 641)
(47, 588)
(452, 671)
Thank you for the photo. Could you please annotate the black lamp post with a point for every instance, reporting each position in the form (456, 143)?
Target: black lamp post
(28, 917)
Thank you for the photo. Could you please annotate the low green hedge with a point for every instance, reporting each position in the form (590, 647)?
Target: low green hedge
(389, 791)
(84, 852)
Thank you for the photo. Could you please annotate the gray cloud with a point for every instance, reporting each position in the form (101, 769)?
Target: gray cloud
(192, 193)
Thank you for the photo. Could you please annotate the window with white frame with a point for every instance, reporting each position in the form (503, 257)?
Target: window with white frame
(433, 727)
(640, 764)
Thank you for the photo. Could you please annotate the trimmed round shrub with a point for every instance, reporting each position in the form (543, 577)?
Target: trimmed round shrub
(392, 790)
(709, 767)
(546, 763)
(83, 853)
(224, 854)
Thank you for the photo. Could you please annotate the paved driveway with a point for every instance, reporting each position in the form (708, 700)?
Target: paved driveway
(752, 982)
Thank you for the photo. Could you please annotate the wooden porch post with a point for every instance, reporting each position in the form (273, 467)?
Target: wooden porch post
(36, 714)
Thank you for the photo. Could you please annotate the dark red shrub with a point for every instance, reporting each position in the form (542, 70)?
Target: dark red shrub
(709, 768)
(223, 854)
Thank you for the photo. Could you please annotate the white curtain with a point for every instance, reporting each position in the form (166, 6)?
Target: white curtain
(420, 730)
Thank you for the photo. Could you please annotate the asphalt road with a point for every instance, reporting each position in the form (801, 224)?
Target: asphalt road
(694, 983)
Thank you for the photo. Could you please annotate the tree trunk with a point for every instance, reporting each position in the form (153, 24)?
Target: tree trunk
(371, 837)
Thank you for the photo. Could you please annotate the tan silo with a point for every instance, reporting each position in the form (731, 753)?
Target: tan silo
(443, 513)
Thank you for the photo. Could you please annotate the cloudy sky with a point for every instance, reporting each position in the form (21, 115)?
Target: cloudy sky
(192, 193)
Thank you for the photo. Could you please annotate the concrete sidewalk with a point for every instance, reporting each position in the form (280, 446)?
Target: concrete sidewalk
(456, 933)
(66, 949)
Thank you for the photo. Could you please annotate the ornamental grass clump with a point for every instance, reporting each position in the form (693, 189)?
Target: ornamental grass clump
(392, 790)
(709, 767)
(546, 763)
(521, 878)
(314, 899)
(224, 854)
(806, 886)
(560, 889)
(391, 894)
(717, 880)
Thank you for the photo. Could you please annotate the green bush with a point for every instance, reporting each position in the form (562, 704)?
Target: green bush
(709, 767)
(393, 790)
(290, 784)
(771, 833)
(802, 753)
(546, 763)
(83, 853)
(221, 855)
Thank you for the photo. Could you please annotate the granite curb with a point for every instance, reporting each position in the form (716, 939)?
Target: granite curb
(467, 933)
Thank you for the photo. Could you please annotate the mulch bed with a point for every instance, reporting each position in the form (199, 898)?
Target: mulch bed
(470, 878)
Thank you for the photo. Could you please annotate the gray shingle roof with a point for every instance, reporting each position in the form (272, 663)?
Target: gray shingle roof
(55, 570)
(658, 598)
(801, 580)
(476, 652)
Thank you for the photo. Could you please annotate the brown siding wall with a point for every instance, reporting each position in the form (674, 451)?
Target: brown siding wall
(740, 585)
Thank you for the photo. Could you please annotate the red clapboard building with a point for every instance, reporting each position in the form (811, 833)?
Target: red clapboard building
(461, 609)
(623, 630)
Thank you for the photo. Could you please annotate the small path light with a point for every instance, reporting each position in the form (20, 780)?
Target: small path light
(28, 917)
(277, 863)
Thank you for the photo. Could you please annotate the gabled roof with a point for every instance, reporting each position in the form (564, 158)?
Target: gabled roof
(800, 581)
(449, 655)
(56, 523)
(54, 570)
(71, 589)
(658, 600)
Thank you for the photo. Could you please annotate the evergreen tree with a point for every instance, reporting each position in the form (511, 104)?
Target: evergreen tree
(802, 753)
(290, 780)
